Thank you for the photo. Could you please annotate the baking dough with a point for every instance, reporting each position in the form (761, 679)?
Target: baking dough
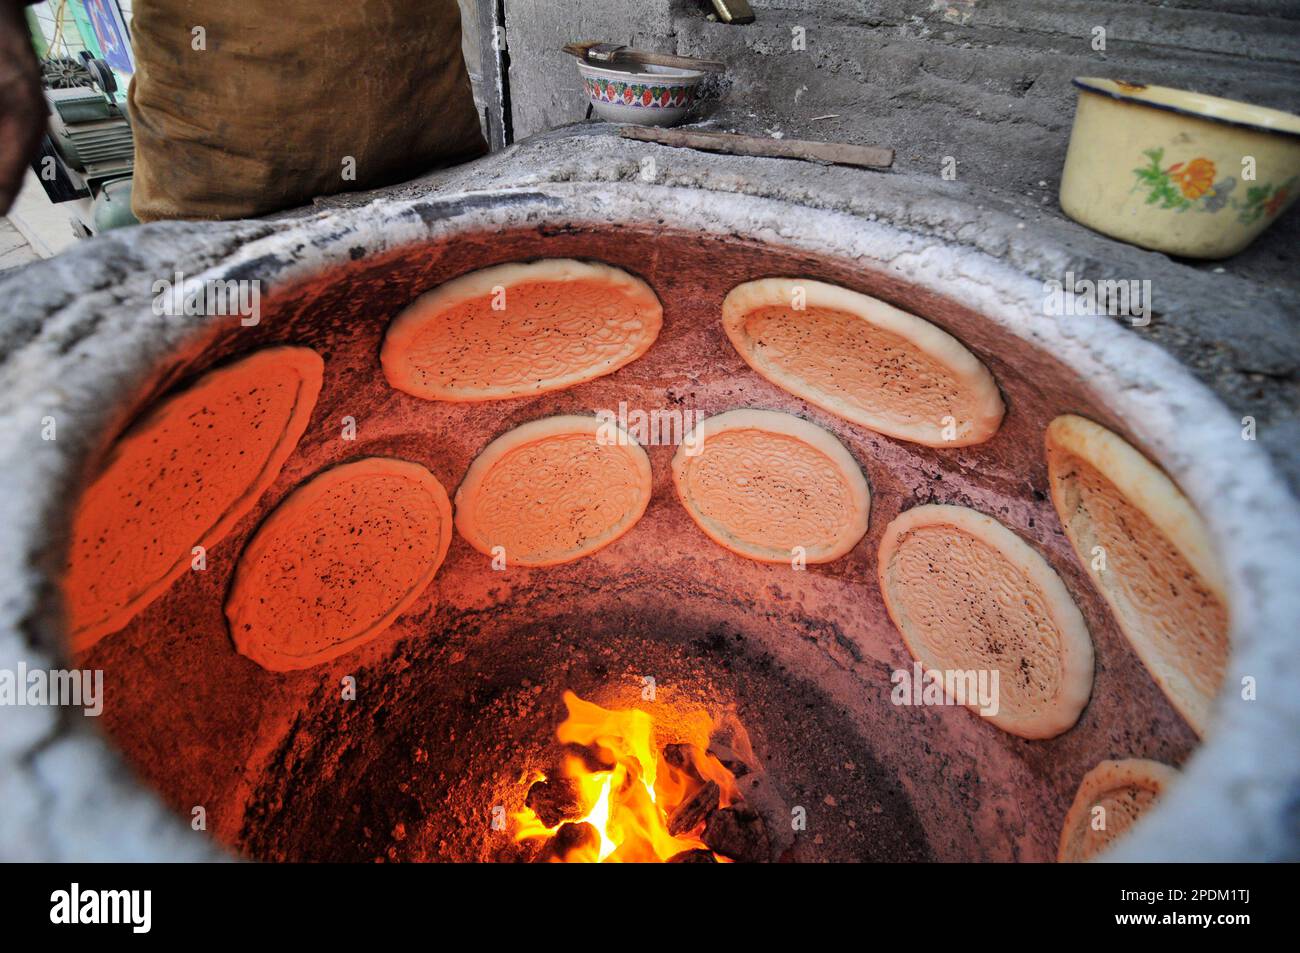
(863, 360)
(968, 594)
(1161, 579)
(1124, 789)
(763, 483)
(182, 477)
(337, 562)
(556, 323)
(553, 491)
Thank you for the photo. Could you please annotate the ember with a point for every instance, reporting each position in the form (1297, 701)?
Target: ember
(619, 796)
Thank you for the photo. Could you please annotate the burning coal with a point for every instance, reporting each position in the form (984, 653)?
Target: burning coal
(620, 795)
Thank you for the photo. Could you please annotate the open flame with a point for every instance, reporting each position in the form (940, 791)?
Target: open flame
(643, 802)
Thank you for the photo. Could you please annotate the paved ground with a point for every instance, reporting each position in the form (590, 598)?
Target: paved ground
(14, 250)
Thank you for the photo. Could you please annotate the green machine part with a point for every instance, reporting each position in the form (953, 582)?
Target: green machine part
(112, 207)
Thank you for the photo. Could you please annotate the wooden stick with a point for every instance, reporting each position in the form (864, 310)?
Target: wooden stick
(832, 153)
(609, 55)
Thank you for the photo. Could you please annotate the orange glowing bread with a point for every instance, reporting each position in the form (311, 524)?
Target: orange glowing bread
(182, 477)
(967, 594)
(1161, 579)
(863, 360)
(520, 329)
(1123, 791)
(553, 490)
(772, 487)
(337, 562)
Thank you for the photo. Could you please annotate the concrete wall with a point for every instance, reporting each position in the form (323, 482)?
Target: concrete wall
(985, 81)
(544, 86)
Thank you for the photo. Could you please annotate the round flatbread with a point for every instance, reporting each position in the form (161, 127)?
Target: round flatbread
(863, 360)
(1160, 579)
(772, 487)
(520, 329)
(969, 595)
(337, 562)
(1110, 799)
(553, 491)
(180, 478)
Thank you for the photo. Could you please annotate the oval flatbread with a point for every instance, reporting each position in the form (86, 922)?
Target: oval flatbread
(969, 595)
(772, 487)
(337, 562)
(863, 360)
(553, 491)
(182, 477)
(1161, 579)
(1123, 790)
(520, 329)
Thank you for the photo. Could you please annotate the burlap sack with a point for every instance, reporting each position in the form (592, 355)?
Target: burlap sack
(242, 108)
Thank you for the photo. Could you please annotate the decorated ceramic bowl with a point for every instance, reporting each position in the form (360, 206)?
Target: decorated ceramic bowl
(656, 96)
(1178, 172)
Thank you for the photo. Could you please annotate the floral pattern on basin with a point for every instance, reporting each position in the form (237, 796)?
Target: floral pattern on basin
(638, 94)
(1192, 184)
